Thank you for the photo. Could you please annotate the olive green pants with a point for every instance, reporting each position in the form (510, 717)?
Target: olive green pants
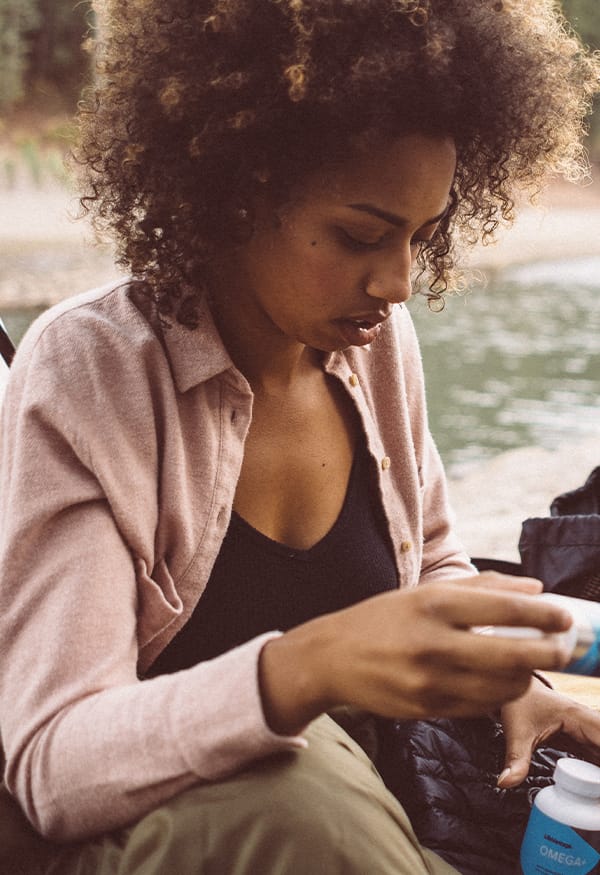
(319, 811)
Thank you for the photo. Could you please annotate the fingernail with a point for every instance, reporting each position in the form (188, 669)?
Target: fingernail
(567, 619)
(503, 775)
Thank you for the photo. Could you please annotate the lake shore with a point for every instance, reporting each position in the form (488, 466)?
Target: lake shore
(493, 499)
(45, 256)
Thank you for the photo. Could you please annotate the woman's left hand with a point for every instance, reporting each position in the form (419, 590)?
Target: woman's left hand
(533, 718)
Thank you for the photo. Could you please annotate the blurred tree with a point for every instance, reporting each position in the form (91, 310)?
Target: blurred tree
(41, 45)
(41, 49)
(17, 18)
(57, 57)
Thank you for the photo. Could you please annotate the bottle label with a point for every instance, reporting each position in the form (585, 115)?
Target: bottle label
(590, 661)
(553, 848)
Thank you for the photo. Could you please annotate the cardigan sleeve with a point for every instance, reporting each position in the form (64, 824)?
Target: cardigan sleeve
(89, 746)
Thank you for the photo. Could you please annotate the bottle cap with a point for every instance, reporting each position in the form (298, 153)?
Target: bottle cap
(578, 777)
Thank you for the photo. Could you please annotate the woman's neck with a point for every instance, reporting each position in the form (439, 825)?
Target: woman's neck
(267, 359)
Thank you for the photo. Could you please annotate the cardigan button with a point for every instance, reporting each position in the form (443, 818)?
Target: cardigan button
(405, 547)
(353, 380)
(386, 463)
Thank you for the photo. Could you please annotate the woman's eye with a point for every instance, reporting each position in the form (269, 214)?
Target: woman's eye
(357, 244)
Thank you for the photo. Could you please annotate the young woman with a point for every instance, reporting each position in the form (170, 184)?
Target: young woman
(223, 515)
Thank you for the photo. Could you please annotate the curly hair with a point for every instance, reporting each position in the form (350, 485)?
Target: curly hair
(198, 102)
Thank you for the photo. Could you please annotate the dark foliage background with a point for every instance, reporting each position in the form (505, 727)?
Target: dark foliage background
(45, 59)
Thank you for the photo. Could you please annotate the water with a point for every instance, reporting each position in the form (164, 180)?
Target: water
(515, 363)
(17, 321)
(512, 364)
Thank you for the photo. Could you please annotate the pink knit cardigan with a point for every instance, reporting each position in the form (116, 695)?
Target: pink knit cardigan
(121, 447)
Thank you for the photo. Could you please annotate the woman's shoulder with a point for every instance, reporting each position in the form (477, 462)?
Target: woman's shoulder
(83, 323)
(87, 349)
(95, 337)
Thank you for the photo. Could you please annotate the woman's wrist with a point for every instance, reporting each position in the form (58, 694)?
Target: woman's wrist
(291, 678)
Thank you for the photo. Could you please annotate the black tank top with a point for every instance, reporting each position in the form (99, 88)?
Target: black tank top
(258, 584)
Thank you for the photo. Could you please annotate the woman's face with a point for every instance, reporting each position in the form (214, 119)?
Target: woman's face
(326, 269)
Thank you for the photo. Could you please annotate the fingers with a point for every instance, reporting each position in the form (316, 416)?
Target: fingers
(521, 739)
(414, 654)
(475, 693)
(446, 689)
(515, 772)
(546, 653)
(467, 605)
(506, 582)
(538, 716)
(493, 659)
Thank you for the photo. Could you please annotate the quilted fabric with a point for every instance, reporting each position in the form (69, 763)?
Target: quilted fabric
(444, 773)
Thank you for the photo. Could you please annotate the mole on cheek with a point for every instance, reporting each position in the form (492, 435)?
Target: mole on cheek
(313, 243)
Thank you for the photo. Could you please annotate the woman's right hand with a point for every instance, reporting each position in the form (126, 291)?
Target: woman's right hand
(412, 654)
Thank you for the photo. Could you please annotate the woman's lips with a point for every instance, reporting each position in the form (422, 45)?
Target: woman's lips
(358, 332)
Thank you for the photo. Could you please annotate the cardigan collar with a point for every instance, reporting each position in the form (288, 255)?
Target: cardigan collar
(197, 356)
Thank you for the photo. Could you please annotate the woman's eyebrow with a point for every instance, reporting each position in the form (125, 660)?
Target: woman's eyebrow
(392, 218)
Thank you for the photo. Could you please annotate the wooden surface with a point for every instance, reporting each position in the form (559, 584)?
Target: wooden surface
(583, 689)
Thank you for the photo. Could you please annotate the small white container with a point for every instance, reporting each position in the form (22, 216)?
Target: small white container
(563, 832)
(581, 642)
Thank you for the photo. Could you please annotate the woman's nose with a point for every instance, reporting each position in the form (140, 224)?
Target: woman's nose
(392, 281)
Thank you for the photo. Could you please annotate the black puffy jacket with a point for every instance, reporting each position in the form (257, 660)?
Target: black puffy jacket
(444, 773)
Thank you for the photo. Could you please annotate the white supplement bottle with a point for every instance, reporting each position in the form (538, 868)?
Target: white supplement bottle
(583, 638)
(563, 832)
(581, 641)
